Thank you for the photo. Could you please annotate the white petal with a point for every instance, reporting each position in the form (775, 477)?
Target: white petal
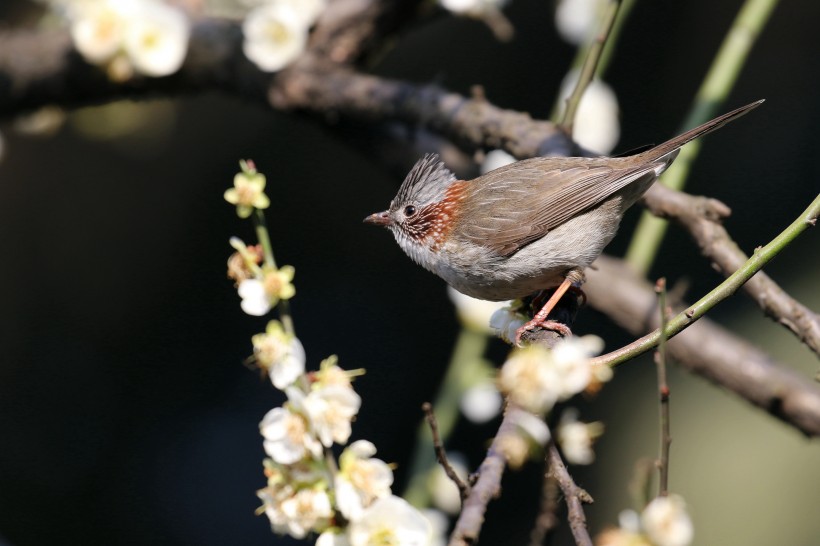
(274, 36)
(156, 39)
(596, 124)
(481, 402)
(667, 523)
(391, 518)
(496, 159)
(288, 370)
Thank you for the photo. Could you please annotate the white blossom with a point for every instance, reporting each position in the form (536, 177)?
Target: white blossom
(474, 313)
(576, 438)
(577, 20)
(439, 523)
(307, 510)
(156, 39)
(666, 522)
(148, 36)
(473, 8)
(332, 538)
(255, 299)
(536, 378)
(529, 432)
(331, 410)
(288, 437)
(98, 28)
(390, 521)
(495, 159)
(275, 34)
(505, 323)
(361, 479)
(281, 354)
(596, 126)
(481, 402)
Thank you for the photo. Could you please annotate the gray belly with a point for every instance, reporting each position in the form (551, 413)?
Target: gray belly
(478, 272)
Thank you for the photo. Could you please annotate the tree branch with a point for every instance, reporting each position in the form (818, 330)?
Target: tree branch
(701, 217)
(706, 348)
(574, 496)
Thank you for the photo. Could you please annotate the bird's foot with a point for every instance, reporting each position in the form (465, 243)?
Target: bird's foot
(553, 325)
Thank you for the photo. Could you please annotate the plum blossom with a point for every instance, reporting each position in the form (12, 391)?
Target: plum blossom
(667, 523)
(275, 34)
(505, 322)
(390, 520)
(529, 434)
(248, 192)
(361, 479)
(280, 354)
(596, 126)
(260, 295)
(288, 437)
(146, 36)
(576, 438)
(474, 313)
(536, 378)
(156, 39)
(331, 410)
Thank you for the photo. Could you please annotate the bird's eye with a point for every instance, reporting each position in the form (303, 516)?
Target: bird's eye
(409, 210)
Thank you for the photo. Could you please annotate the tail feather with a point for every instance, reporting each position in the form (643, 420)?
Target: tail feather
(674, 144)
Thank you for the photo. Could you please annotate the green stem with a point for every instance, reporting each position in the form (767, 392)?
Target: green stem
(719, 81)
(267, 250)
(606, 54)
(466, 366)
(760, 258)
(590, 66)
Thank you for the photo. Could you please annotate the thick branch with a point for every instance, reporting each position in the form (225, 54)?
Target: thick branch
(701, 217)
(706, 348)
(485, 489)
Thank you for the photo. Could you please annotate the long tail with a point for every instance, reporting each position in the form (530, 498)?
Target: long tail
(672, 145)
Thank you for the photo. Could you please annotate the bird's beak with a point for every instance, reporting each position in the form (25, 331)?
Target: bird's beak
(379, 219)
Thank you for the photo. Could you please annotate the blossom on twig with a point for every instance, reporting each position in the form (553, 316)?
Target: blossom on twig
(280, 354)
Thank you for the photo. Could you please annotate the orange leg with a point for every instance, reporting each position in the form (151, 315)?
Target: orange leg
(540, 318)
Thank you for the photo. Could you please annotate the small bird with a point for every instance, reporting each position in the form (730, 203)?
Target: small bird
(528, 226)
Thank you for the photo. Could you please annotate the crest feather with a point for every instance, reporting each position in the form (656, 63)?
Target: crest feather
(426, 181)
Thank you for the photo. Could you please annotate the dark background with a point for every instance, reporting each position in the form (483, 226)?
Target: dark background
(126, 414)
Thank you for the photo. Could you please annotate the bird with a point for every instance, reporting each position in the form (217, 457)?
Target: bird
(532, 225)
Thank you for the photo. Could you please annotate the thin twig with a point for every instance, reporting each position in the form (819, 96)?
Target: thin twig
(574, 496)
(590, 65)
(547, 519)
(441, 455)
(663, 394)
(707, 349)
(701, 217)
(678, 323)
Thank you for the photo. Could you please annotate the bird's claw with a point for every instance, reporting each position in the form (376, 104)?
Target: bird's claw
(553, 325)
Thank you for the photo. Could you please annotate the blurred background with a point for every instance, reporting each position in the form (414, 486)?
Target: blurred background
(126, 413)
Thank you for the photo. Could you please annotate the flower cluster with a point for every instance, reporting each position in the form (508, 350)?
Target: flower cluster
(144, 36)
(350, 503)
(535, 379)
(276, 31)
(664, 522)
(261, 287)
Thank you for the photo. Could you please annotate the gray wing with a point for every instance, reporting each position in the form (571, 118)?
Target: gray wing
(512, 206)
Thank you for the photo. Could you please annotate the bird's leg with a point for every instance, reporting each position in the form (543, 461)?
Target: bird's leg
(540, 318)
